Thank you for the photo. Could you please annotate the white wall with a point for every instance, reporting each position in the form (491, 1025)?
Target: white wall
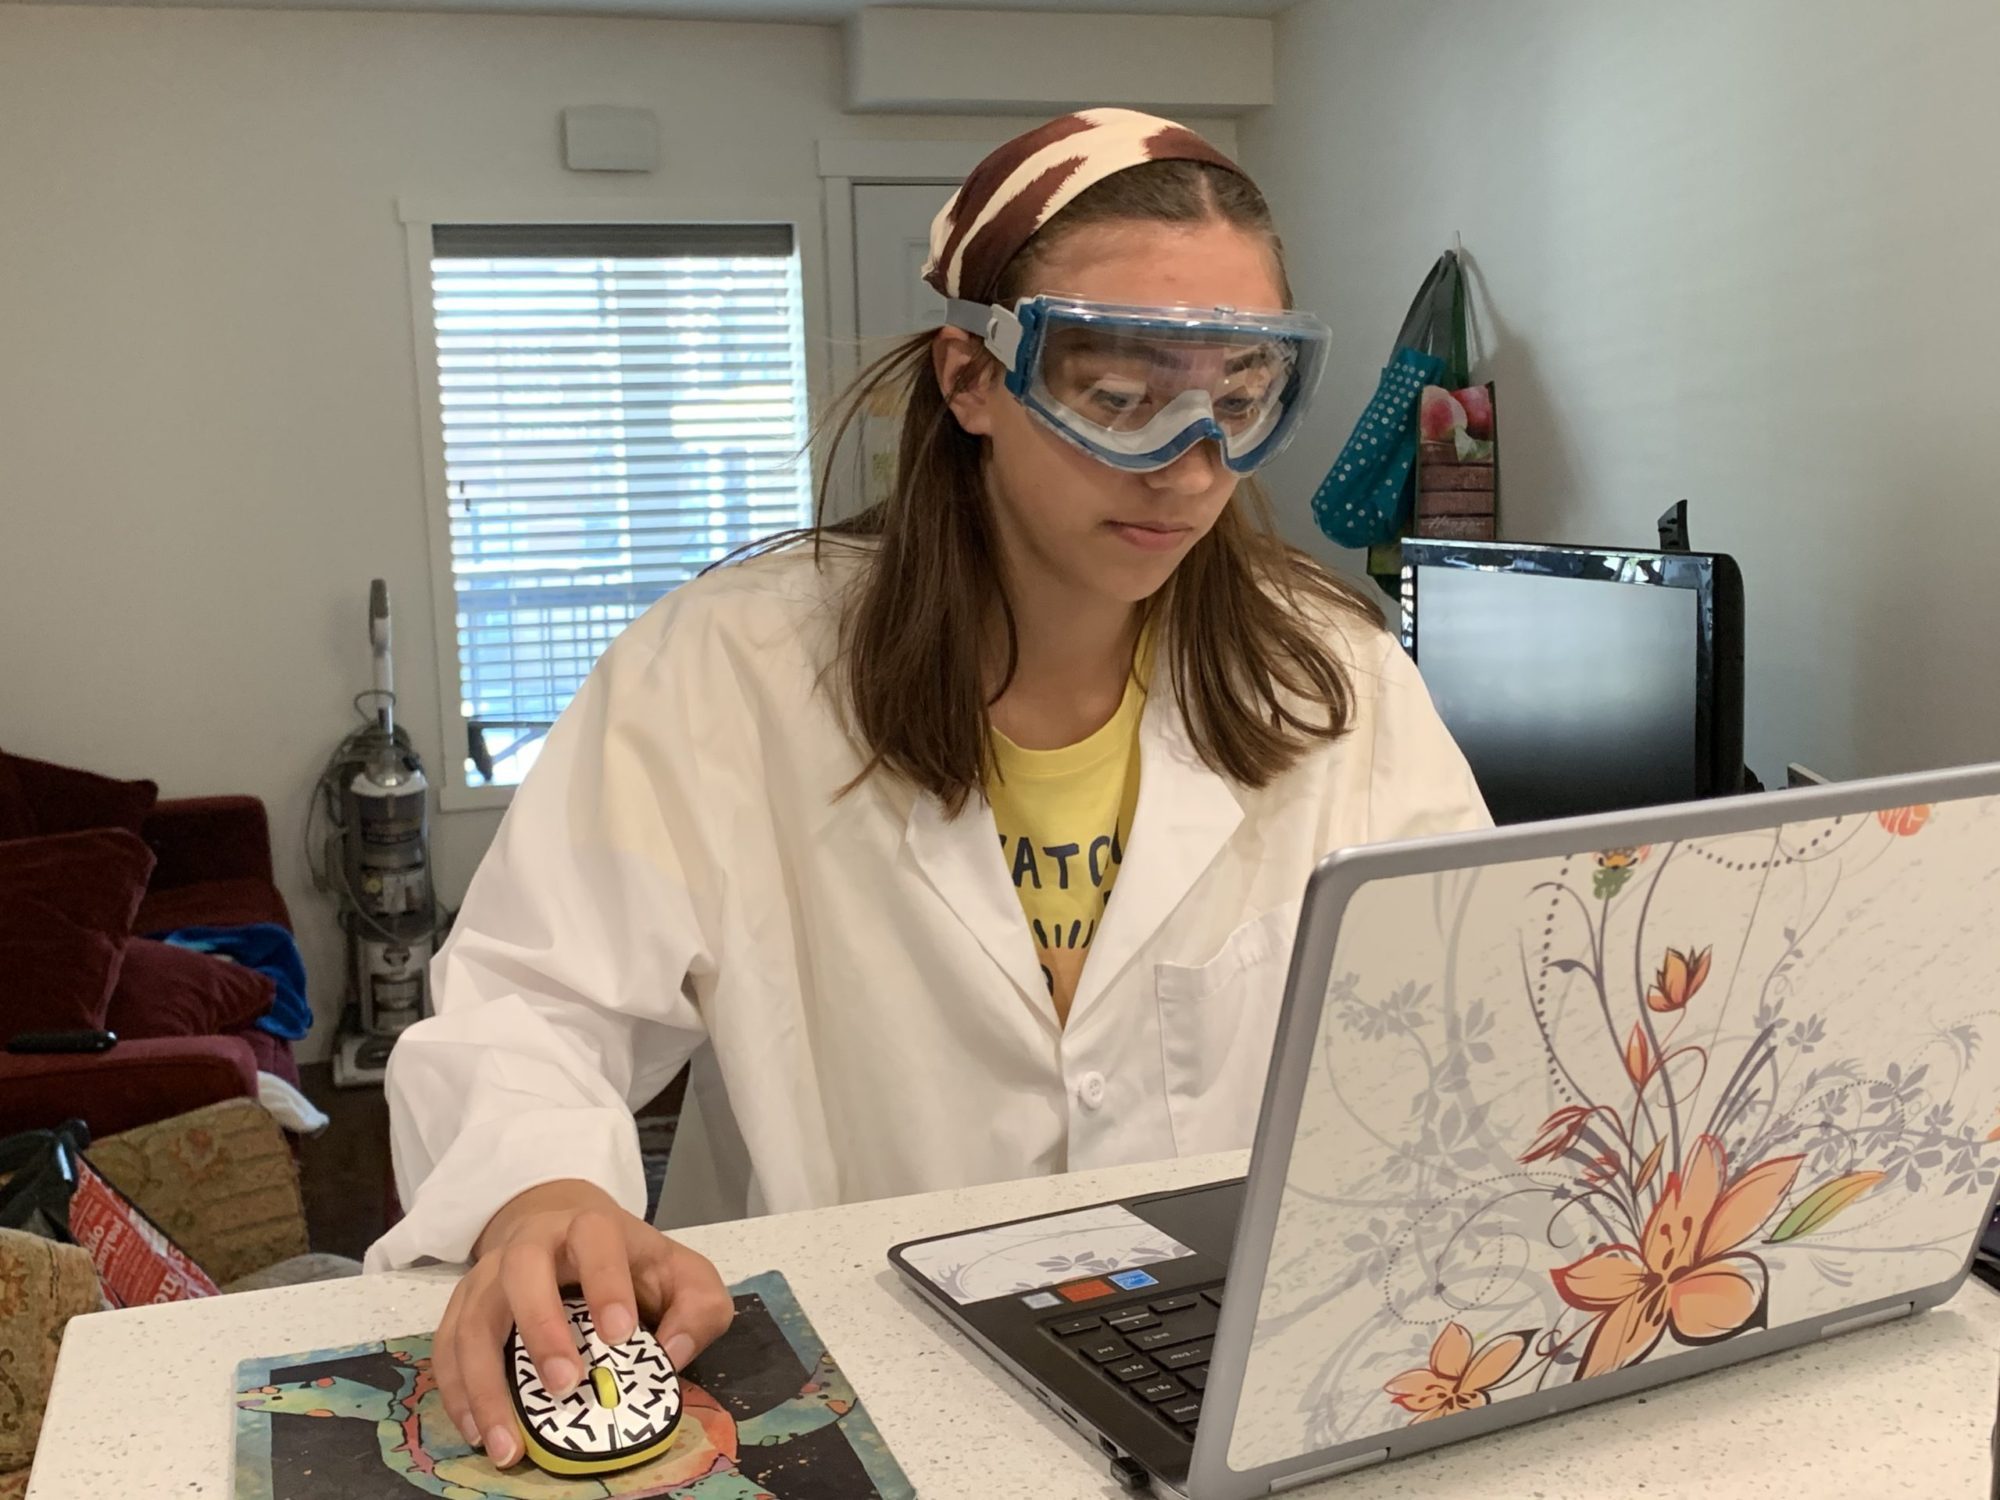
(209, 439)
(1742, 251)
(1738, 250)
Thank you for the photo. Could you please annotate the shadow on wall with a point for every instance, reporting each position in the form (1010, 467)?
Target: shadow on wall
(1538, 469)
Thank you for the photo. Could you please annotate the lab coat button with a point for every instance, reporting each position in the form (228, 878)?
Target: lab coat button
(1090, 1090)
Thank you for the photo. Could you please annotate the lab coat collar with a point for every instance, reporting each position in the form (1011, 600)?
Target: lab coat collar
(961, 859)
(1185, 815)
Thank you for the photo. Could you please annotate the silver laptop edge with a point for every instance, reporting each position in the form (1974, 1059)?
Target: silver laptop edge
(1328, 893)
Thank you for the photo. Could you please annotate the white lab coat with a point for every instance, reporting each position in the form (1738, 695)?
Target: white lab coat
(854, 976)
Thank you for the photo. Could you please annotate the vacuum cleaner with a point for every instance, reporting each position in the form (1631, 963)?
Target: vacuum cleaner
(376, 863)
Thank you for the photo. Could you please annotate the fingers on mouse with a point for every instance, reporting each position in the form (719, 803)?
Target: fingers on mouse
(622, 1413)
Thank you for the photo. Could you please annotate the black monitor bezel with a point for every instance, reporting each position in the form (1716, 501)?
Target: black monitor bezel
(1712, 577)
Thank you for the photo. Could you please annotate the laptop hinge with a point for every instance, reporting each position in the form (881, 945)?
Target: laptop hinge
(1327, 1471)
(1868, 1320)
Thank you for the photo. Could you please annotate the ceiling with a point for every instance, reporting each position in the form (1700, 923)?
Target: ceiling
(819, 11)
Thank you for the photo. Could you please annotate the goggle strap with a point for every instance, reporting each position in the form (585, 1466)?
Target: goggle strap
(997, 325)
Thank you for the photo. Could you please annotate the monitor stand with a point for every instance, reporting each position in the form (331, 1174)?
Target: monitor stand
(1673, 528)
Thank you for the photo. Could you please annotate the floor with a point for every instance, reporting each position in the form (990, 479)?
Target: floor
(344, 1171)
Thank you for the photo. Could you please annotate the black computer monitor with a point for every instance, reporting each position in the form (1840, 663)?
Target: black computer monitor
(1581, 679)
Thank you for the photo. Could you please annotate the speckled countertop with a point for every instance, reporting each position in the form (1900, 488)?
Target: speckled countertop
(140, 1405)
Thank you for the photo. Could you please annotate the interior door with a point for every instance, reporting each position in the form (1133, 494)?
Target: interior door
(892, 238)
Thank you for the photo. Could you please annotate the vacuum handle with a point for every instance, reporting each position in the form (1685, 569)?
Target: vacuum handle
(378, 637)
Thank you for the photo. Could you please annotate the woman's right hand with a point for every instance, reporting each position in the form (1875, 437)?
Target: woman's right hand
(559, 1235)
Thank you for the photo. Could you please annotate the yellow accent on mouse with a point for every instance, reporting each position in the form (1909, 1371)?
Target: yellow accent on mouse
(573, 1446)
(576, 1468)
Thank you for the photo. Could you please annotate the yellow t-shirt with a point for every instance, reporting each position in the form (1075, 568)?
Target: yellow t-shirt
(1064, 817)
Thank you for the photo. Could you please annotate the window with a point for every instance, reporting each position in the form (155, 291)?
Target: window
(622, 404)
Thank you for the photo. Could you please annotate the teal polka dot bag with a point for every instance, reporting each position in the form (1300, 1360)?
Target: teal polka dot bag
(1365, 498)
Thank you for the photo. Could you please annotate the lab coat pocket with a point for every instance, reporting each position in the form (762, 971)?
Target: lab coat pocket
(1217, 1023)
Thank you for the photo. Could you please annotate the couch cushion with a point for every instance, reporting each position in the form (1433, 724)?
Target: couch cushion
(212, 903)
(62, 799)
(66, 907)
(221, 1180)
(134, 1083)
(42, 1286)
(15, 821)
(273, 1053)
(163, 990)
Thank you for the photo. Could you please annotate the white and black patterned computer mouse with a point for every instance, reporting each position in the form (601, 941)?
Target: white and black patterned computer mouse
(622, 1414)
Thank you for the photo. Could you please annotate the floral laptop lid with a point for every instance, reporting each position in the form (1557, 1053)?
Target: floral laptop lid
(1584, 1113)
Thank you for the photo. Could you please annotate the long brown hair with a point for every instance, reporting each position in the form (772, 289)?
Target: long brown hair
(1242, 622)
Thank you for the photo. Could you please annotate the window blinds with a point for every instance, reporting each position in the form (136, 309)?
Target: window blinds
(622, 404)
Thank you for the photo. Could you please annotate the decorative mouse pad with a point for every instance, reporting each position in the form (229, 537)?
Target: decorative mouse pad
(767, 1415)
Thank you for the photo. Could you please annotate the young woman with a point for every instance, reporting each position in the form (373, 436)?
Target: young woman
(965, 840)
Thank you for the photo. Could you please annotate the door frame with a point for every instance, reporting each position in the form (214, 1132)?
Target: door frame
(845, 165)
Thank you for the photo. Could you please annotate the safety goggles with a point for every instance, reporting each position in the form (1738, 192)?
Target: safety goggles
(1139, 386)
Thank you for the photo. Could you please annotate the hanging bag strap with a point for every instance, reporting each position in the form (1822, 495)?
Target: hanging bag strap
(1420, 321)
(1439, 323)
(1458, 363)
(1417, 319)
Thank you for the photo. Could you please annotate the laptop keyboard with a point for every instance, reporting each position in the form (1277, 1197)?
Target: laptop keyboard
(1156, 1352)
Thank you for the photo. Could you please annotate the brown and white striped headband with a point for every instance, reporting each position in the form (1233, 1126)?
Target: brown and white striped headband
(1026, 182)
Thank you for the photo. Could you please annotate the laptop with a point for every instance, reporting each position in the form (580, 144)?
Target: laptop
(1556, 1113)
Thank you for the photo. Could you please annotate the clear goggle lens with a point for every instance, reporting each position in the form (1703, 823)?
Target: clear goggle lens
(1123, 383)
(1138, 386)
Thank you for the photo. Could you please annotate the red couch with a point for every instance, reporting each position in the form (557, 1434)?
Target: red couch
(212, 868)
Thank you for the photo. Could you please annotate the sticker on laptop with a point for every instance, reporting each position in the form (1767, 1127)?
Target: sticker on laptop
(1012, 1259)
(1087, 1291)
(1132, 1281)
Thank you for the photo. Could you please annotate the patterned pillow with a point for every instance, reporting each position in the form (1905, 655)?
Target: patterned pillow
(43, 1285)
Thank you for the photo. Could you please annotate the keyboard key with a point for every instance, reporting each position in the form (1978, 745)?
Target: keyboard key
(1160, 1388)
(1070, 1326)
(1186, 1413)
(1132, 1322)
(1213, 1298)
(1102, 1351)
(1158, 1338)
(1132, 1369)
(1174, 1304)
(1197, 1377)
(1182, 1355)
